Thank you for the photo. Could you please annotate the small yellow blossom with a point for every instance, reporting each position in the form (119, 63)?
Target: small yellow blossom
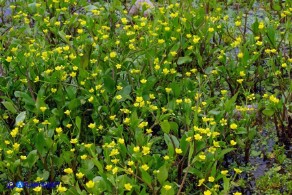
(178, 150)
(61, 188)
(68, 170)
(90, 184)
(79, 175)
(37, 189)
(113, 54)
(238, 171)
(167, 187)
(128, 186)
(233, 126)
(145, 167)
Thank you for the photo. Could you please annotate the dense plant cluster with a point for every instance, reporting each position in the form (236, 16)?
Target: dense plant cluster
(105, 102)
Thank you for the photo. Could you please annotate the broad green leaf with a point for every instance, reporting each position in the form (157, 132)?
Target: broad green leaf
(165, 126)
(230, 104)
(146, 177)
(268, 112)
(20, 117)
(162, 175)
(109, 84)
(184, 60)
(31, 159)
(10, 107)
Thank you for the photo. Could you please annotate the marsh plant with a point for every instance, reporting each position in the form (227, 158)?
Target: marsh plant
(111, 103)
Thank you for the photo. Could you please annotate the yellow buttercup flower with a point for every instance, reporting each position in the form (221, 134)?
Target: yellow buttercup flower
(233, 126)
(145, 167)
(68, 170)
(178, 150)
(90, 184)
(128, 186)
(167, 187)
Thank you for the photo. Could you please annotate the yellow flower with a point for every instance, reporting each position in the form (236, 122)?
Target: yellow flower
(43, 108)
(16, 146)
(59, 130)
(240, 55)
(9, 152)
(37, 189)
(83, 157)
(118, 66)
(79, 175)
(274, 99)
(237, 193)
(211, 179)
(224, 172)
(178, 150)
(201, 181)
(167, 187)
(168, 90)
(197, 137)
(61, 188)
(241, 73)
(196, 39)
(211, 29)
(109, 167)
(53, 90)
(119, 97)
(166, 157)
(22, 157)
(239, 81)
(68, 170)
(128, 186)
(233, 126)
(261, 25)
(207, 192)
(114, 152)
(79, 31)
(113, 54)
(202, 156)
(143, 81)
(233, 143)
(238, 171)
(124, 20)
(130, 163)
(115, 170)
(9, 59)
(112, 117)
(145, 150)
(67, 112)
(90, 184)
(92, 125)
(121, 140)
(145, 167)
(237, 23)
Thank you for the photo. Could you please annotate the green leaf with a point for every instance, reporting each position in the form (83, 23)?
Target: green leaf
(10, 107)
(241, 130)
(31, 159)
(146, 177)
(20, 117)
(109, 84)
(162, 175)
(165, 126)
(268, 112)
(169, 144)
(78, 122)
(71, 92)
(63, 37)
(184, 60)
(223, 152)
(230, 104)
